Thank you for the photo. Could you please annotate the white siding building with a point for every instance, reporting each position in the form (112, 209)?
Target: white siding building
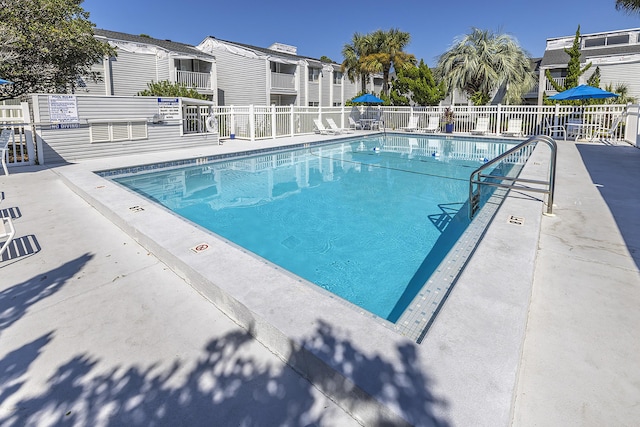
(616, 53)
(275, 75)
(141, 60)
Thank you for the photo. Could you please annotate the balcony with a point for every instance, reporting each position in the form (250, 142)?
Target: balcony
(559, 80)
(283, 83)
(192, 79)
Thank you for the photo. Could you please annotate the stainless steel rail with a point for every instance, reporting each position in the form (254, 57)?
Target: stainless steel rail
(476, 182)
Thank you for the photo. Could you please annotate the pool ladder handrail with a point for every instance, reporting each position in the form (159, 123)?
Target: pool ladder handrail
(475, 180)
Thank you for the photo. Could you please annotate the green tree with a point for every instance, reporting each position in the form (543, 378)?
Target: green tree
(481, 62)
(46, 45)
(326, 59)
(629, 6)
(353, 53)
(166, 88)
(574, 68)
(417, 85)
(623, 94)
(386, 53)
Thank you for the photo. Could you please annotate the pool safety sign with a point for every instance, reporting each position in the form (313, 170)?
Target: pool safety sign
(169, 108)
(63, 111)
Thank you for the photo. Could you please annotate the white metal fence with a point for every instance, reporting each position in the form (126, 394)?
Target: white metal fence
(263, 122)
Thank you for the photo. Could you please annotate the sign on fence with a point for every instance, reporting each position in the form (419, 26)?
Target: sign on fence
(169, 108)
(63, 111)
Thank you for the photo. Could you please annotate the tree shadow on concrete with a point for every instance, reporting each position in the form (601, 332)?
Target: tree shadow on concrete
(16, 300)
(227, 385)
(617, 176)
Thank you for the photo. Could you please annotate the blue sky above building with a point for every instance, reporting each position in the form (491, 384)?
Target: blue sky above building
(323, 28)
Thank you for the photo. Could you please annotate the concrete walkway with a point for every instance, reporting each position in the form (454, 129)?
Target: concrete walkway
(94, 330)
(582, 348)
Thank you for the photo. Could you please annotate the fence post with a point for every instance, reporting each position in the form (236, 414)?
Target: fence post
(232, 123)
(342, 116)
(291, 121)
(28, 133)
(273, 121)
(499, 119)
(252, 123)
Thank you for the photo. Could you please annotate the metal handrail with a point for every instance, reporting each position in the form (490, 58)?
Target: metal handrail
(475, 180)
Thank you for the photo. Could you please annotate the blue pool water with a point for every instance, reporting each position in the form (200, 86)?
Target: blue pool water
(368, 220)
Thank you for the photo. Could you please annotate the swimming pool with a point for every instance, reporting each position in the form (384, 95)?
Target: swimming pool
(368, 219)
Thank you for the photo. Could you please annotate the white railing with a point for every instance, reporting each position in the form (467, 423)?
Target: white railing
(21, 147)
(262, 122)
(549, 87)
(192, 79)
(283, 81)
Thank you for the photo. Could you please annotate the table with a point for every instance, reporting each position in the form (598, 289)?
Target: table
(581, 130)
(368, 123)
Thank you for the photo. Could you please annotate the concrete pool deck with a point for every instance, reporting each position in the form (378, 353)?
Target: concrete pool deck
(96, 330)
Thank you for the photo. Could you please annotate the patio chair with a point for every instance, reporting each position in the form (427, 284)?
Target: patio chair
(482, 126)
(413, 124)
(334, 127)
(5, 137)
(552, 129)
(607, 132)
(433, 126)
(514, 128)
(323, 130)
(7, 231)
(353, 125)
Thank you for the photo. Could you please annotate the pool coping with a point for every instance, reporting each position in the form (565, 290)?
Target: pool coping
(471, 352)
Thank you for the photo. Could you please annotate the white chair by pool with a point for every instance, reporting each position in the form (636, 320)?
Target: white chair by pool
(321, 129)
(482, 126)
(553, 129)
(514, 128)
(7, 231)
(334, 127)
(413, 124)
(433, 126)
(5, 136)
(353, 125)
(607, 132)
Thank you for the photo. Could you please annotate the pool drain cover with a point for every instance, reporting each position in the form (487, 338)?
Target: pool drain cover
(515, 220)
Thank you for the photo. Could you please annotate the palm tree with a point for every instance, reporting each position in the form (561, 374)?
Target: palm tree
(387, 52)
(481, 62)
(631, 6)
(353, 54)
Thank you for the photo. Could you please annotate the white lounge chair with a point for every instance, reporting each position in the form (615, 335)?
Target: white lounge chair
(353, 125)
(413, 124)
(7, 231)
(321, 129)
(433, 125)
(5, 137)
(482, 126)
(602, 131)
(334, 127)
(553, 129)
(514, 128)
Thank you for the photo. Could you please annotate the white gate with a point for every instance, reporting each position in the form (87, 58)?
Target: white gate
(21, 148)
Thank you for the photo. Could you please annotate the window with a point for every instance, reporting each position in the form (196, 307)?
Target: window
(620, 39)
(314, 104)
(595, 42)
(610, 40)
(314, 74)
(337, 104)
(337, 77)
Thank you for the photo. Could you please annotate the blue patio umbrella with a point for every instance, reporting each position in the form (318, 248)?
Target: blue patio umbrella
(368, 98)
(582, 92)
(5, 82)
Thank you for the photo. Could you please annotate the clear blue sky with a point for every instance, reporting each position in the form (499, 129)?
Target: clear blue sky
(323, 28)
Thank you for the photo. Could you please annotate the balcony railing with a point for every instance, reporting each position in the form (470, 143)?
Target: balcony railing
(559, 80)
(283, 81)
(193, 79)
